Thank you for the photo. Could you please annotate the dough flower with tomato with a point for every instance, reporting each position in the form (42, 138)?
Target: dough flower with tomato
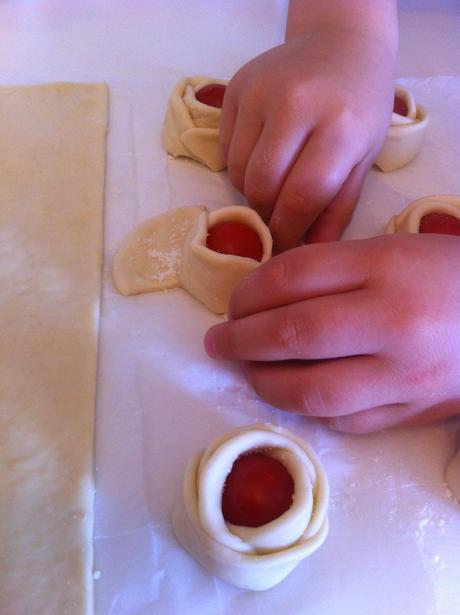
(191, 126)
(207, 254)
(254, 504)
(405, 134)
(431, 214)
(219, 251)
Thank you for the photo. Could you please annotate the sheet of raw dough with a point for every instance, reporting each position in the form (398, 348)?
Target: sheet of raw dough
(52, 161)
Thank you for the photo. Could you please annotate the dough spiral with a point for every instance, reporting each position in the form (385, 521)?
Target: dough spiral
(405, 134)
(254, 558)
(408, 221)
(191, 128)
(211, 277)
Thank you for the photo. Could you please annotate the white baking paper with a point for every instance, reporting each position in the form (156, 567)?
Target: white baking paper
(394, 542)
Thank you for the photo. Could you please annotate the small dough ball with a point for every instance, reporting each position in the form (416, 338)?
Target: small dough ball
(191, 127)
(405, 134)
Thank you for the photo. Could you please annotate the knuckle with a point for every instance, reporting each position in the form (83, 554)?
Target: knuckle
(346, 129)
(288, 337)
(295, 202)
(323, 186)
(278, 275)
(343, 122)
(295, 94)
(316, 191)
(314, 401)
(413, 320)
(293, 334)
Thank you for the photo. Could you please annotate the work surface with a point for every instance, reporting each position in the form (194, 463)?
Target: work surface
(394, 542)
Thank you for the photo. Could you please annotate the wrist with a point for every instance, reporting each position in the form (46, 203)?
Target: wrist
(373, 20)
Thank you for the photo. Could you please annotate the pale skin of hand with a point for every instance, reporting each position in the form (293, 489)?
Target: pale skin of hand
(363, 335)
(302, 123)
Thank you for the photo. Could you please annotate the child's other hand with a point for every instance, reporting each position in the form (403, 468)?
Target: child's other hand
(362, 334)
(302, 124)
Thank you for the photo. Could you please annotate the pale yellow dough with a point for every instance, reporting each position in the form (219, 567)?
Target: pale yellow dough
(191, 128)
(148, 260)
(52, 150)
(408, 221)
(212, 277)
(252, 558)
(170, 250)
(405, 134)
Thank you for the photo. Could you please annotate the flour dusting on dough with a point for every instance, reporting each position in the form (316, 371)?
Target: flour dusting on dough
(164, 264)
(149, 258)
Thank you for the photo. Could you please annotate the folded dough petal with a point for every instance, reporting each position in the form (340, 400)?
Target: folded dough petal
(209, 276)
(408, 221)
(254, 558)
(191, 128)
(405, 134)
(409, 101)
(148, 259)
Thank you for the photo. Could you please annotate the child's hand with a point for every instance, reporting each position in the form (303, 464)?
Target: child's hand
(363, 334)
(302, 124)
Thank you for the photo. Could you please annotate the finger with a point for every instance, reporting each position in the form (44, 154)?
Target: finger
(246, 132)
(374, 419)
(339, 387)
(276, 151)
(303, 273)
(332, 221)
(442, 411)
(316, 177)
(320, 328)
(227, 120)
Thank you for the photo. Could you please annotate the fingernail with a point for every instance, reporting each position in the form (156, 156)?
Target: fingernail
(210, 344)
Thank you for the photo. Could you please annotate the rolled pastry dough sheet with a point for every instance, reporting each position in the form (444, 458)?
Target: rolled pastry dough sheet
(52, 157)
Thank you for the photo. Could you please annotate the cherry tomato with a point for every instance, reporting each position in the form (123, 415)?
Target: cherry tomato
(440, 223)
(235, 238)
(212, 95)
(399, 106)
(258, 490)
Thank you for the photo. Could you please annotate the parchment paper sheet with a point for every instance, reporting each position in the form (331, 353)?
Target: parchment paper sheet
(394, 543)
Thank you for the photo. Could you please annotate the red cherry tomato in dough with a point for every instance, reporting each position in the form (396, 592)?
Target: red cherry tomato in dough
(212, 95)
(440, 223)
(235, 238)
(399, 106)
(258, 490)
